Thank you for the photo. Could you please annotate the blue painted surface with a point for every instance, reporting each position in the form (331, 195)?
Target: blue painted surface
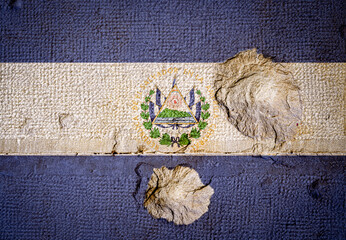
(171, 31)
(96, 198)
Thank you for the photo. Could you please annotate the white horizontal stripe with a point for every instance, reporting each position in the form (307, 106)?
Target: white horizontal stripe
(86, 108)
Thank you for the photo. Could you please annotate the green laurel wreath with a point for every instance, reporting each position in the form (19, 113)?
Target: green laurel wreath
(165, 139)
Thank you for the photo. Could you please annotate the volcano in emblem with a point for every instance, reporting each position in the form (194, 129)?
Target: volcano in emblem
(175, 110)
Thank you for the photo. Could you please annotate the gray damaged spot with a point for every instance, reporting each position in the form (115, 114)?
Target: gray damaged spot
(65, 120)
(177, 195)
(258, 96)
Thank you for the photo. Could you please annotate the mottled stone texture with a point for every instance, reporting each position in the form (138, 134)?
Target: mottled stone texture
(102, 198)
(259, 97)
(177, 195)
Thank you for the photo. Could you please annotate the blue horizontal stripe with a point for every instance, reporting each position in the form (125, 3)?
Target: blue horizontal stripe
(99, 197)
(171, 31)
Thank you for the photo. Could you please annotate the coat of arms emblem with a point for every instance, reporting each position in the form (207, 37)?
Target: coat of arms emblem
(174, 112)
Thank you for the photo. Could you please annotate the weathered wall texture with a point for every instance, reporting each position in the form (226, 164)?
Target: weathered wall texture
(85, 108)
(94, 197)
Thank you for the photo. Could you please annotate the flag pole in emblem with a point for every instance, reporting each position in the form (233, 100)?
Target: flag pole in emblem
(158, 97)
(173, 83)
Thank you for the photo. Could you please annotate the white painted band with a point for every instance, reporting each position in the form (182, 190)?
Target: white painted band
(87, 108)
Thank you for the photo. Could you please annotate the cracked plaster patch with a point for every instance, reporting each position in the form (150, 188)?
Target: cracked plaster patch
(258, 96)
(177, 195)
